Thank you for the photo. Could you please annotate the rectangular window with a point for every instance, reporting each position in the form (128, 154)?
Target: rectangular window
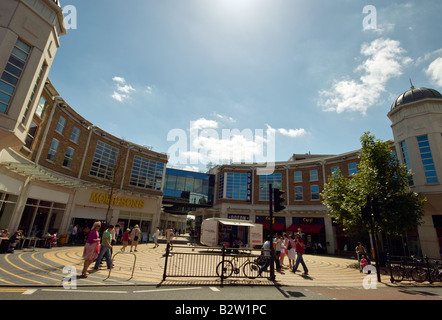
(31, 135)
(52, 150)
(315, 192)
(404, 153)
(298, 176)
(427, 159)
(299, 195)
(221, 186)
(335, 171)
(275, 179)
(104, 161)
(40, 107)
(236, 186)
(60, 125)
(7, 206)
(12, 73)
(314, 175)
(75, 134)
(147, 174)
(69, 155)
(352, 168)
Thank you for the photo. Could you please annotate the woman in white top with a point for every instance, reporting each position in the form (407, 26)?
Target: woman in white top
(134, 237)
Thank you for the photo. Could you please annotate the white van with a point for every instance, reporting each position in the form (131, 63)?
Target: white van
(221, 231)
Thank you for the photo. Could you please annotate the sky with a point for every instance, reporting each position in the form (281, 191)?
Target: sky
(224, 81)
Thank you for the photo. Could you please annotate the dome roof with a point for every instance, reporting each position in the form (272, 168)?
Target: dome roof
(415, 94)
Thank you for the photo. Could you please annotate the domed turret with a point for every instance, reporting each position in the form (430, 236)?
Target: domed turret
(415, 94)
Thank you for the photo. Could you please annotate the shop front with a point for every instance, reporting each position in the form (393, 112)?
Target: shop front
(126, 210)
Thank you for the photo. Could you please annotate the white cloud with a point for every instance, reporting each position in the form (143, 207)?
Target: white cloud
(434, 71)
(123, 90)
(203, 123)
(292, 133)
(384, 60)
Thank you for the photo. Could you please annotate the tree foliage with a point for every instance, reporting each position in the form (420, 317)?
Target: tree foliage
(380, 176)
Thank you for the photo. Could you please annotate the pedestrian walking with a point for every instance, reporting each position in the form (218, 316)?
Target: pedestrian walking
(277, 248)
(360, 250)
(292, 251)
(169, 238)
(299, 245)
(91, 248)
(134, 237)
(284, 249)
(155, 237)
(266, 253)
(125, 239)
(106, 247)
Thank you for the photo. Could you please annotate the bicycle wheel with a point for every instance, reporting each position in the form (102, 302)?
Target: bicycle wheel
(419, 274)
(397, 273)
(225, 271)
(251, 270)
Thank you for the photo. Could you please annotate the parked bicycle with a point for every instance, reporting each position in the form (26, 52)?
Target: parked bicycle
(414, 272)
(435, 272)
(233, 266)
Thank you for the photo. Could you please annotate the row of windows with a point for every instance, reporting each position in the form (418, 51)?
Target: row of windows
(352, 169)
(75, 134)
(299, 193)
(191, 184)
(146, 173)
(427, 159)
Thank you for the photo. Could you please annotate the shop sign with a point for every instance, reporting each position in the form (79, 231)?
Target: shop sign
(238, 216)
(103, 198)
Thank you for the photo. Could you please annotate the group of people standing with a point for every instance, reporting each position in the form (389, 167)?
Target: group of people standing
(291, 246)
(96, 248)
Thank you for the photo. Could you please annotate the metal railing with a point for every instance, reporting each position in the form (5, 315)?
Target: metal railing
(211, 262)
(404, 268)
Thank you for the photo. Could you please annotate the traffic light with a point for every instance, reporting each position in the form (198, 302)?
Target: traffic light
(278, 200)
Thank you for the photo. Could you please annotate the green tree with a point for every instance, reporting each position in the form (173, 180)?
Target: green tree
(380, 177)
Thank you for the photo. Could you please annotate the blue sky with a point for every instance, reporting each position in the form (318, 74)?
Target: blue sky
(317, 74)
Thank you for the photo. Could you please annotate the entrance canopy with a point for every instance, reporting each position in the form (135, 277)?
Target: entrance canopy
(306, 228)
(239, 223)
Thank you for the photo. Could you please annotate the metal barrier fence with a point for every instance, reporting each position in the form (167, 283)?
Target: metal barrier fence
(414, 269)
(213, 262)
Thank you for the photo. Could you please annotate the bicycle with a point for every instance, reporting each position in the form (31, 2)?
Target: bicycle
(401, 272)
(435, 272)
(249, 268)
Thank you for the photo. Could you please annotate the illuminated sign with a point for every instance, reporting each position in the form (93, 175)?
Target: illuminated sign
(103, 198)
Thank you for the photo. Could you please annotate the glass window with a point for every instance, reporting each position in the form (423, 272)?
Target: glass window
(404, 152)
(315, 192)
(352, 168)
(60, 125)
(147, 174)
(52, 150)
(31, 135)
(335, 171)
(104, 161)
(299, 195)
(69, 155)
(12, 73)
(40, 107)
(427, 159)
(236, 186)
(298, 176)
(75, 134)
(274, 179)
(314, 175)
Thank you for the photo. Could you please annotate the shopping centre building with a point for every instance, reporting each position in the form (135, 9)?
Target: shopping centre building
(58, 170)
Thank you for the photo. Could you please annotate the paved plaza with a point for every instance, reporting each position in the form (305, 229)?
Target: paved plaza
(49, 267)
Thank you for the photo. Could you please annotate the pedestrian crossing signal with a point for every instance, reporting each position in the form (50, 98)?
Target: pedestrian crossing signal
(278, 200)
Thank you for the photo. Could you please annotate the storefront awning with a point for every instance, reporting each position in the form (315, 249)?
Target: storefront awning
(276, 226)
(306, 228)
(37, 172)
